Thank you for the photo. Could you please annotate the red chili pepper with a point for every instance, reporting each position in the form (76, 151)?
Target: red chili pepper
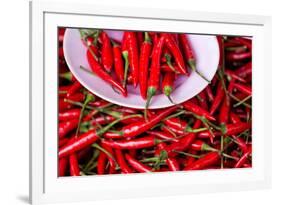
(145, 52)
(199, 145)
(238, 56)
(111, 160)
(63, 141)
(243, 88)
(204, 162)
(207, 134)
(84, 140)
(233, 129)
(74, 166)
(154, 77)
(246, 42)
(137, 165)
(63, 162)
(122, 163)
(132, 46)
(224, 110)
(61, 32)
(243, 159)
(66, 127)
(241, 143)
(218, 98)
(139, 143)
(134, 129)
(171, 162)
(232, 75)
(106, 52)
(74, 88)
(169, 68)
(184, 141)
(98, 70)
(173, 47)
(202, 98)
(118, 62)
(168, 83)
(197, 110)
(102, 159)
(189, 55)
(69, 115)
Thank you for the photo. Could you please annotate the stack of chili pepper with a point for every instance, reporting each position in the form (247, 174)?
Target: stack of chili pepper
(210, 131)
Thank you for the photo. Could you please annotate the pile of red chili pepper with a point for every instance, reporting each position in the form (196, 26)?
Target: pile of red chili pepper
(210, 131)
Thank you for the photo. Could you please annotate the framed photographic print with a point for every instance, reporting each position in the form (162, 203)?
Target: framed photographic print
(129, 102)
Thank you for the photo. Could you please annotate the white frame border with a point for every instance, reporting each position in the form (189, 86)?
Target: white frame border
(37, 99)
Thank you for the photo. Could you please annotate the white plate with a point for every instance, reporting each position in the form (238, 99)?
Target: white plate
(207, 57)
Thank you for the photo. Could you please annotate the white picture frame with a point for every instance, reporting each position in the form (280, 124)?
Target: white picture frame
(46, 187)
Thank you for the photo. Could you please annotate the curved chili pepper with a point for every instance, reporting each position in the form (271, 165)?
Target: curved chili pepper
(74, 166)
(171, 162)
(243, 88)
(154, 77)
(84, 140)
(209, 93)
(97, 69)
(224, 110)
(241, 143)
(188, 105)
(243, 159)
(204, 162)
(132, 46)
(74, 88)
(167, 84)
(137, 165)
(139, 143)
(202, 98)
(199, 145)
(69, 115)
(106, 52)
(111, 160)
(173, 47)
(143, 64)
(118, 62)
(66, 127)
(122, 163)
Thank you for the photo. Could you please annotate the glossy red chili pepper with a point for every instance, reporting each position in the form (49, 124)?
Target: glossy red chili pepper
(98, 70)
(63, 163)
(138, 166)
(173, 130)
(102, 159)
(199, 145)
(145, 52)
(243, 159)
(188, 105)
(63, 90)
(118, 62)
(246, 42)
(233, 129)
(139, 143)
(243, 88)
(173, 47)
(238, 56)
(111, 160)
(69, 115)
(132, 47)
(241, 143)
(140, 37)
(97, 104)
(84, 140)
(169, 68)
(168, 84)
(63, 141)
(74, 166)
(106, 52)
(207, 134)
(76, 86)
(206, 161)
(177, 123)
(66, 127)
(154, 76)
(134, 129)
(184, 141)
(218, 98)
(122, 163)
(224, 110)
